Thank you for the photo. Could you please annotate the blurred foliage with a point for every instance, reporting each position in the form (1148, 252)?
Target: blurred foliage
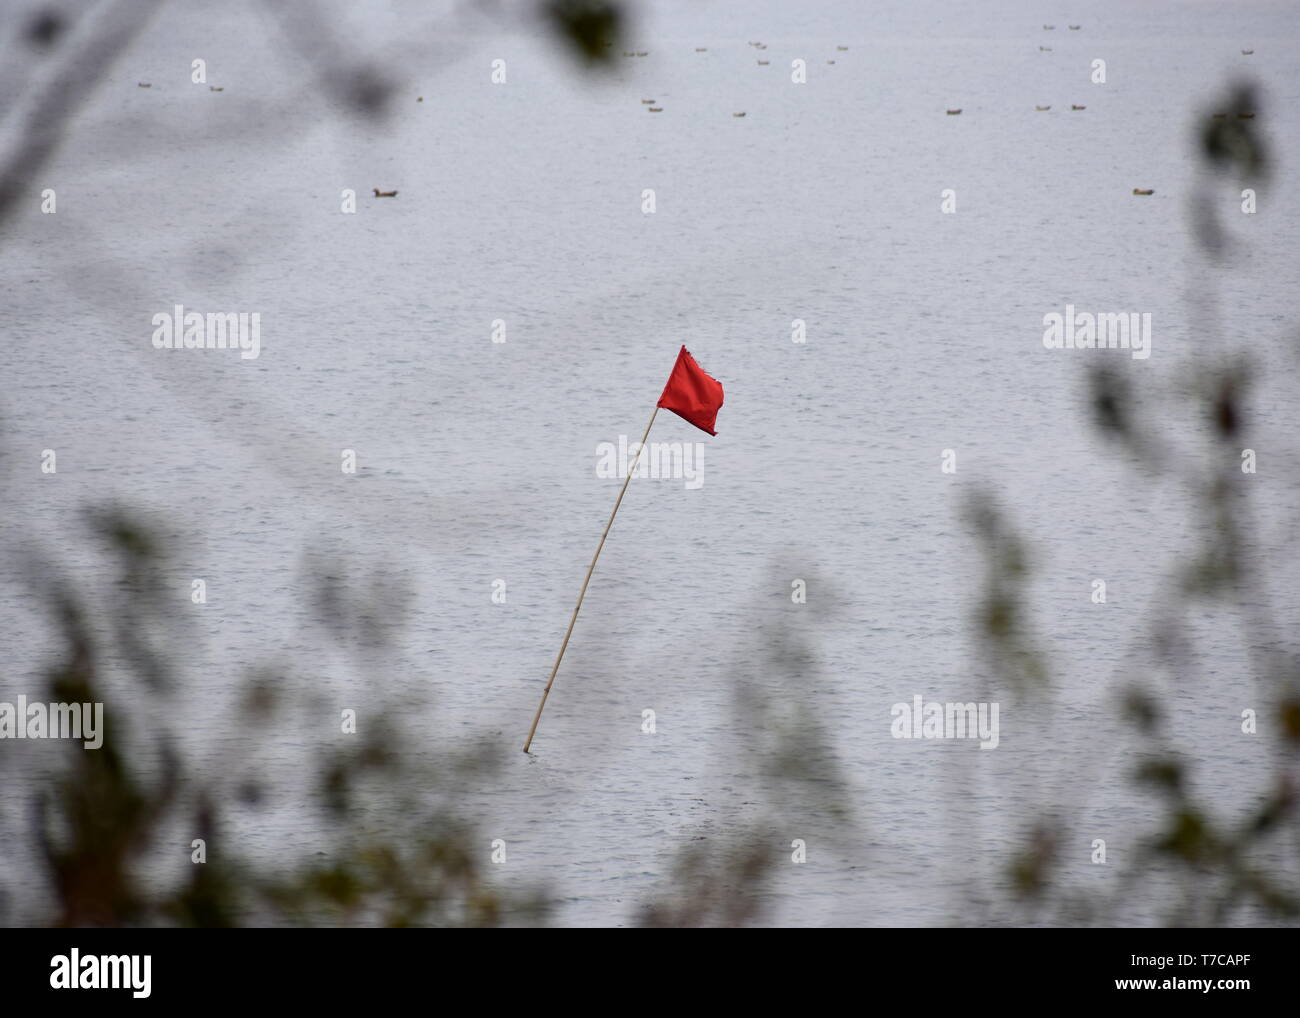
(1009, 646)
(591, 28)
(44, 29)
(716, 884)
(97, 819)
(393, 850)
(1232, 147)
(1230, 140)
(796, 787)
(1196, 868)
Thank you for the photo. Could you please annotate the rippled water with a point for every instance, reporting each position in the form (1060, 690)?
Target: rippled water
(523, 202)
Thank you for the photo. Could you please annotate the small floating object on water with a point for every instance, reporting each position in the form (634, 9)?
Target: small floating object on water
(647, 102)
(764, 63)
(1049, 28)
(738, 114)
(1220, 116)
(842, 49)
(384, 194)
(145, 84)
(1075, 28)
(1042, 109)
(1247, 52)
(655, 109)
(1245, 116)
(953, 113)
(1044, 49)
(643, 54)
(213, 88)
(1138, 190)
(701, 49)
(830, 61)
(1073, 107)
(420, 100)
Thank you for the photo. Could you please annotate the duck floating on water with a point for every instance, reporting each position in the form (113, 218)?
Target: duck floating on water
(738, 114)
(384, 194)
(953, 113)
(764, 63)
(1075, 28)
(145, 84)
(1073, 107)
(655, 109)
(213, 88)
(1247, 52)
(1042, 109)
(1138, 190)
(1245, 116)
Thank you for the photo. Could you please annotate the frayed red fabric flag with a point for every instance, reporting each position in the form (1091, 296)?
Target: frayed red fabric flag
(692, 394)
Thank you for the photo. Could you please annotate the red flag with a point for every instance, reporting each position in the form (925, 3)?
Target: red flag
(691, 394)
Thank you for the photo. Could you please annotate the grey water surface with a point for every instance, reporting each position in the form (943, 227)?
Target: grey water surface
(523, 202)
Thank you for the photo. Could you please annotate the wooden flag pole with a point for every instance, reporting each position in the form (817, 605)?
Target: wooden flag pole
(590, 569)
